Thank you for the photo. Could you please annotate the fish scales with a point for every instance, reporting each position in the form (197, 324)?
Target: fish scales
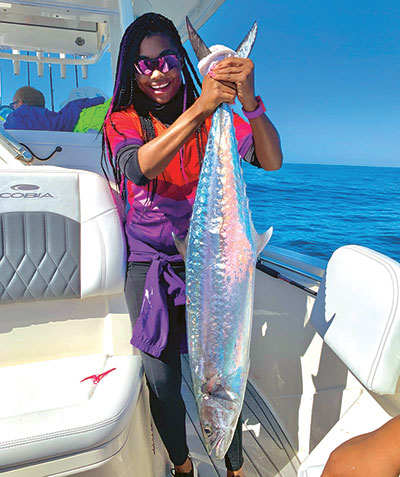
(221, 256)
(221, 251)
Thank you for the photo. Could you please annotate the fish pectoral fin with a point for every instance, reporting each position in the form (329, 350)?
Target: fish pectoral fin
(219, 391)
(261, 240)
(181, 245)
(209, 386)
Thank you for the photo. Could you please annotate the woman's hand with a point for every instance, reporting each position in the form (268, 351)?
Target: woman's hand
(213, 93)
(240, 72)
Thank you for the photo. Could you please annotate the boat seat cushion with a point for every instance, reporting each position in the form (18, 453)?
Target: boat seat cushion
(40, 258)
(49, 410)
(357, 312)
(60, 235)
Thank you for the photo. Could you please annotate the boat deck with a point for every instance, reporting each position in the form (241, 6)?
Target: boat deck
(267, 452)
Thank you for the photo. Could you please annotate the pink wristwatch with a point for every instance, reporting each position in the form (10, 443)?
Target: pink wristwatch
(257, 112)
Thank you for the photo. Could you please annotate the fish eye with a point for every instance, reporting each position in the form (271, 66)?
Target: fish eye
(208, 431)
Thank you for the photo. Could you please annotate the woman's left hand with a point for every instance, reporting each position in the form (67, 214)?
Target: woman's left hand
(239, 71)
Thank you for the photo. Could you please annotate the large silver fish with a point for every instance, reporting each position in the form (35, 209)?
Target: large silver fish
(221, 254)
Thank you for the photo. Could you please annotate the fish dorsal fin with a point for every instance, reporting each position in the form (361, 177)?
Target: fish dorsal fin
(261, 240)
(244, 49)
(181, 245)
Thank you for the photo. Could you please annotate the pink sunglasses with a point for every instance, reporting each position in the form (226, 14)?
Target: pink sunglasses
(163, 63)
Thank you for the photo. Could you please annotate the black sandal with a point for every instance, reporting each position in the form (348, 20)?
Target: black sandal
(192, 473)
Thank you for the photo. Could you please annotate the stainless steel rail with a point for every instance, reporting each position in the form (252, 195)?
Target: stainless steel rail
(14, 147)
(275, 274)
(291, 268)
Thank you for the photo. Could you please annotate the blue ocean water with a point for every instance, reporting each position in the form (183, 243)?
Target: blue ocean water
(315, 209)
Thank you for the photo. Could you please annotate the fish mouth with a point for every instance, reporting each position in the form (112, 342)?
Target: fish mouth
(220, 442)
(211, 445)
(221, 447)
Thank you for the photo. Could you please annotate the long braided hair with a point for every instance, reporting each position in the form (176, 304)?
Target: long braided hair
(125, 86)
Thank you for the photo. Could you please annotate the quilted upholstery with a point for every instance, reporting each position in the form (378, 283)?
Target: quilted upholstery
(39, 256)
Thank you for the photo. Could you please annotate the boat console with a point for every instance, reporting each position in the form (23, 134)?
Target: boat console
(78, 151)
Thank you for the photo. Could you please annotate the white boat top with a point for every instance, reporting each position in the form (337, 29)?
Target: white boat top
(80, 33)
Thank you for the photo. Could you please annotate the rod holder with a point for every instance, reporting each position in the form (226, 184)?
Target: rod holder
(16, 64)
(39, 56)
(63, 67)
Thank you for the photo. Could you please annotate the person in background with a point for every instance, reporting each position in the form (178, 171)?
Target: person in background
(92, 119)
(375, 454)
(155, 135)
(30, 112)
(29, 96)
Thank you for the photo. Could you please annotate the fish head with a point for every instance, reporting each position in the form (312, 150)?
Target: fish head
(219, 409)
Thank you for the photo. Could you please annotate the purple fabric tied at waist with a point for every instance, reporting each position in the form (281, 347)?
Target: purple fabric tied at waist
(150, 332)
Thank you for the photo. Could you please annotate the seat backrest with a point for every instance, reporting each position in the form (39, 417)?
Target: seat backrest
(357, 312)
(60, 236)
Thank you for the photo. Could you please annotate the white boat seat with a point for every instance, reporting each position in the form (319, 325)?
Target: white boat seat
(314, 471)
(63, 317)
(357, 312)
(60, 235)
(47, 412)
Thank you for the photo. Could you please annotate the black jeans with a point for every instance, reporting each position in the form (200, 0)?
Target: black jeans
(164, 376)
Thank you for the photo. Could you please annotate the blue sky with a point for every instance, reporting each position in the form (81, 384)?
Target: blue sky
(328, 73)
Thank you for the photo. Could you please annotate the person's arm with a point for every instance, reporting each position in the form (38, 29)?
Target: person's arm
(154, 156)
(376, 453)
(240, 71)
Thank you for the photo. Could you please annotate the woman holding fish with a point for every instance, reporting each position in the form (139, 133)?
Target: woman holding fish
(154, 136)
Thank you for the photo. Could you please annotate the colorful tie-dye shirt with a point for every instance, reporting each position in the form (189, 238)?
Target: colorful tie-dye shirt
(151, 222)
